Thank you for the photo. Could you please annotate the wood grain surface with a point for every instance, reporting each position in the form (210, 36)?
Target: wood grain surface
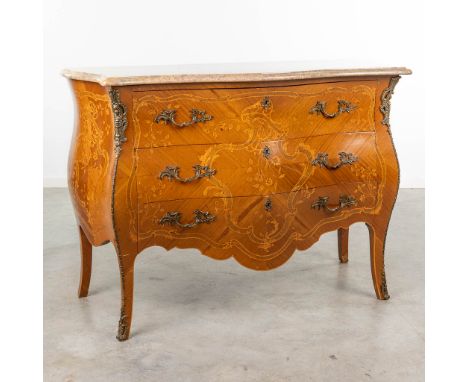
(243, 169)
(258, 238)
(239, 117)
(91, 161)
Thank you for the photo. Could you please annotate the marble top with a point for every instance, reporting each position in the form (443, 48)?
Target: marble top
(234, 72)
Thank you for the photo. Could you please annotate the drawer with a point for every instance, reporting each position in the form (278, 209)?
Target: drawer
(259, 168)
(253, 114)
(259, 227)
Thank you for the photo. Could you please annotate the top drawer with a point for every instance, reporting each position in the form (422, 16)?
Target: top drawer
(183, 117)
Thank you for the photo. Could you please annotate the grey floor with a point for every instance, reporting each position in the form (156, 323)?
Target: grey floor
(196, 319)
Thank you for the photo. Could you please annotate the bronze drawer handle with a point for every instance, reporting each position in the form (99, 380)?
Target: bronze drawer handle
(172, 172)
(173, 218)
(343, 107)
(345, 158)
(344, 201)
(168, 116)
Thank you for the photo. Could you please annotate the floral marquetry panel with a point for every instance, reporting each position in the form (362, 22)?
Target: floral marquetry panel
(240, 116)
(258, 237)
(243, 170)
(91, 161)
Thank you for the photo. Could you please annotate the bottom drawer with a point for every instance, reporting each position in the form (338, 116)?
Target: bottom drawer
(258, 230)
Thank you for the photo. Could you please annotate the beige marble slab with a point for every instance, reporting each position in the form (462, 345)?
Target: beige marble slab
(235, 72)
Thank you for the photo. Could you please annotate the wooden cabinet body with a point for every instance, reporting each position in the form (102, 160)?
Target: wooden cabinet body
(249, 167)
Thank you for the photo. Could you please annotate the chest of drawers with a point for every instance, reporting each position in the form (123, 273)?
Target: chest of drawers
(234, 164)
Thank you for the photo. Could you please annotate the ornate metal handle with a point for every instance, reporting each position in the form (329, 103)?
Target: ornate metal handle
(172, 172)
(344, 201)
(168, 116)
(173, 218)
(345, 158)
(343, 107)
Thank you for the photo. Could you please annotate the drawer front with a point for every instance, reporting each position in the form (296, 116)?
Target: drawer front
(258, 228)
(260, 168)
(182, 117)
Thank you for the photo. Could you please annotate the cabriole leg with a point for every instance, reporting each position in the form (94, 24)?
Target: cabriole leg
(343, 234)
(126, 264)
(86, 263)
(377, 234)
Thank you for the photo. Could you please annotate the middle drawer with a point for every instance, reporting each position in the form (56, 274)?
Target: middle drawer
(259, 168)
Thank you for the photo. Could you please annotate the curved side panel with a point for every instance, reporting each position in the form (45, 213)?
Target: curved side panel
(91, 161)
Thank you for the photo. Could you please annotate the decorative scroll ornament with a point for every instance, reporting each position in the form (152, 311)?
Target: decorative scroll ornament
(345, 158)
(268, 204)
(266, 102)
(168, 116)
(120, 119)
(119, 110)
(172, 172)
(344, 201)
(385, 100)
(343, 107)
(173, 218)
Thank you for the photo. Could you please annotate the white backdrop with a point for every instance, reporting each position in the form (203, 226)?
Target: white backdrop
(145, 32)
